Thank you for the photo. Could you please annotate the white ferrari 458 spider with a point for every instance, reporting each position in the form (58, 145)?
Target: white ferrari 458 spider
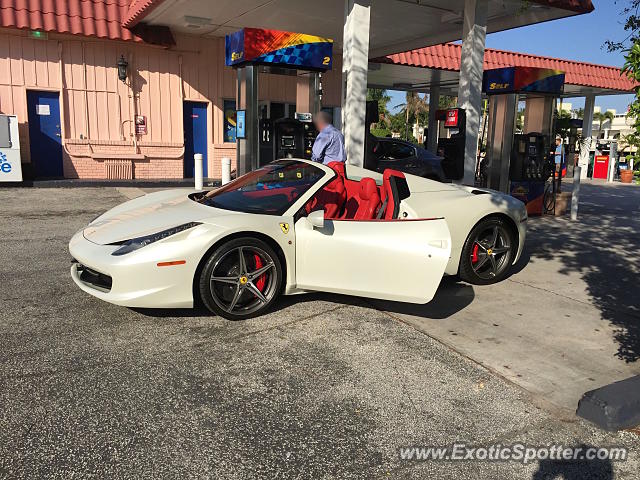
(295, 226)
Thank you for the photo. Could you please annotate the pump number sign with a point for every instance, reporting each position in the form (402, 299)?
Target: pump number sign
(277, 48)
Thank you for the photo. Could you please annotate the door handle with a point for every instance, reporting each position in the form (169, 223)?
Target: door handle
(58, 135)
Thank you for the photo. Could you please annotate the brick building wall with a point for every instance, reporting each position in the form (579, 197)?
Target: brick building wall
(97, 110)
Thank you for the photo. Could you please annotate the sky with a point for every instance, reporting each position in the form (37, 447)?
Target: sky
(576, 38)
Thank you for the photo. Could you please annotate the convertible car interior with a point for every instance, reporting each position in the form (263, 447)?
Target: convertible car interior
(346, 199)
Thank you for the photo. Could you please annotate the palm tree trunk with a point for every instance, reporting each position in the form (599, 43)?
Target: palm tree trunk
(406, 124)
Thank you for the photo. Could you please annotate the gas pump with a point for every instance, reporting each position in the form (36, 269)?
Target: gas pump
(530, 158)
(520, 164)
(452, 149)
(288, 135)
(286, 138)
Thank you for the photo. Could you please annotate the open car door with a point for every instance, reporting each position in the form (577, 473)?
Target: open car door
(402, 260)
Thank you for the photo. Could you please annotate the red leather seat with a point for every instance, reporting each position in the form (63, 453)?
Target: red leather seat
(331, 198)
(362, 198)
(368, 200)
(390, 200)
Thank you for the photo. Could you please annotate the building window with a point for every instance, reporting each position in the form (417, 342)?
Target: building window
(229, 107)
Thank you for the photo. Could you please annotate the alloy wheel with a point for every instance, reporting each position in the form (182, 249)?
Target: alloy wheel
(490, 252)
(243, 280)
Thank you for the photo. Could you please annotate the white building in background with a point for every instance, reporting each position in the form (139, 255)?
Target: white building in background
(615, 129)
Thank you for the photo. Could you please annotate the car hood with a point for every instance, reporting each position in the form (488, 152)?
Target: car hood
(149, 214)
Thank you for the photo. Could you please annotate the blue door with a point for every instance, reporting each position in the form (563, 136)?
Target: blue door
(45, 139)
(195, 136)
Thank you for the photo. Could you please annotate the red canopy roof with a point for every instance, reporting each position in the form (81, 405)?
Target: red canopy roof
(93, 18)
(580, 6)
(447, 57)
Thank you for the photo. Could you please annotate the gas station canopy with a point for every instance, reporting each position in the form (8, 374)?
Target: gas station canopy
(396, 25)
(419, 69)
(362, 29)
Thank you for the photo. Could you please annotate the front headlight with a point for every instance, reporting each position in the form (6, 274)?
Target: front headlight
(129, 246)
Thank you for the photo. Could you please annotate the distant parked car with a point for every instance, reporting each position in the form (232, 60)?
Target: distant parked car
(406, 157)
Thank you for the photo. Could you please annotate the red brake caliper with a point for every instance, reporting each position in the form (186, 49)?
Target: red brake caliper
(262, 279)
(474, 253)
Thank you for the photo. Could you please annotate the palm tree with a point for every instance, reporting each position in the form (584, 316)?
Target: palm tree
(603, 117)
(415, 104)
(383, 99)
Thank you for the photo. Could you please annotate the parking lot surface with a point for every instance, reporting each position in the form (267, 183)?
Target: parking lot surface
(326, 386)
(568, 320)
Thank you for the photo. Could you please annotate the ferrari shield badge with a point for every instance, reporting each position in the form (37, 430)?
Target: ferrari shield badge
(284, 227)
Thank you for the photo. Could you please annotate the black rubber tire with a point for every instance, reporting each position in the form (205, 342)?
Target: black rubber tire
(205, 275)
(465, 270)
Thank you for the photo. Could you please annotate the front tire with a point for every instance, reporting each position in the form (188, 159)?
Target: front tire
(488, 252)
(241, 279)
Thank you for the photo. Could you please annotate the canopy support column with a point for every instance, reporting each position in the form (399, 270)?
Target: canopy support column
(470, 86)
(248, 149)
(308, 92)
(587, 127)
(355, 64)
(434, 102)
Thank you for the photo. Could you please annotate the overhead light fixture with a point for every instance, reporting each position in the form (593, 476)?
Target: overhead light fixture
(196, 22)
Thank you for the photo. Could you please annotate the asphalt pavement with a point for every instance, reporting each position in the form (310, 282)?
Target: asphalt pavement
(326, 386)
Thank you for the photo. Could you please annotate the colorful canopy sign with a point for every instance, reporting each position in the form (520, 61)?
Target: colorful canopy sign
(522, 79)
(277, 48)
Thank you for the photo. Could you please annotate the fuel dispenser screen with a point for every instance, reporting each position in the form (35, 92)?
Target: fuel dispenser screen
(288, 135)
(287, 142)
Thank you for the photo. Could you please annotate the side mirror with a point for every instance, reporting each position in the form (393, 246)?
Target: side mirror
(316, 218)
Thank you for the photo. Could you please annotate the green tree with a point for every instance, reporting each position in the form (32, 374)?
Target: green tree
(447, 101)
(630, 45)
(413, 109)
(631, 14)
(381, 127)
(562, 120)
(602, 117)
(383, 98)
(520, 119)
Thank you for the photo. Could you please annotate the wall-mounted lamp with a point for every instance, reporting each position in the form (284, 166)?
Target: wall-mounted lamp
(122, 68)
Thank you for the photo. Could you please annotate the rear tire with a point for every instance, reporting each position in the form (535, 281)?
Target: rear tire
(488, 252)
(241, 279)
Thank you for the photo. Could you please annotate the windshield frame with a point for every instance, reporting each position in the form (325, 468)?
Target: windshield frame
(208, 199)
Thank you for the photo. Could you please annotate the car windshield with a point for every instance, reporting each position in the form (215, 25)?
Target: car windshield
(270, 190)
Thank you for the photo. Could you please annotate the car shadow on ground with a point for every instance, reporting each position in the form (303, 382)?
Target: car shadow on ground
(451, 297)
